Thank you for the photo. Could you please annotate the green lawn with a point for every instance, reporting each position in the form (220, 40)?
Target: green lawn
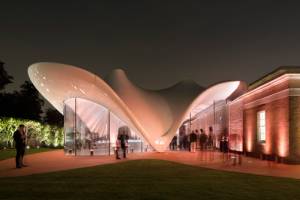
(10, 153)
(148, 179)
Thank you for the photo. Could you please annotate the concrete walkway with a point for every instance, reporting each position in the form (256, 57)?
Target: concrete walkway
(56, 161)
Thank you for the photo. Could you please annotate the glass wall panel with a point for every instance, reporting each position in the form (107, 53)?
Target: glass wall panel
(117, 127)
(69, 126)
(91, 129)
(213, 121)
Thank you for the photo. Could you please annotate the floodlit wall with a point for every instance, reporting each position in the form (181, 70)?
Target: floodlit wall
(277, 129)
(279, 98)
(235, 125)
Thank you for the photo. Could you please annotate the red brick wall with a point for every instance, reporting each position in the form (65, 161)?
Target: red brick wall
(277, 129)
(282, 105)
(294, 128)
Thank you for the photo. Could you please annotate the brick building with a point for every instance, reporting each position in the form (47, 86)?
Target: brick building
(265, 121)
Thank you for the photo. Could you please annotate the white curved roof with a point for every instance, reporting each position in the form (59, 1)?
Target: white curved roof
(155, 114)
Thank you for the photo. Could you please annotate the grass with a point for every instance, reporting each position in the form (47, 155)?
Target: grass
(11, 153)
(148, 179)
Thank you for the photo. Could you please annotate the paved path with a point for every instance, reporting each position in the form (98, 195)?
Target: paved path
(57, 161)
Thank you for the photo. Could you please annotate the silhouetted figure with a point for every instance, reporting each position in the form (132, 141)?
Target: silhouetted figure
(203, 139)
(222, 143)
(210, 140)
(225, 145)
(181, 137)
(197, 138)
(193, 139)
(123, 136)
(173, 144)
(20, 144)
(123, 140)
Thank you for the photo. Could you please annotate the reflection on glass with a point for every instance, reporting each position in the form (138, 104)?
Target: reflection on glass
(91, 129)
(69, 117)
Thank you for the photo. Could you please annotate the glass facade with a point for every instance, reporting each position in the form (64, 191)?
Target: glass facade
(91, 129)
(213, 121)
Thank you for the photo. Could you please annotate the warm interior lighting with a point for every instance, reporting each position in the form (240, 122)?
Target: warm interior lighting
(156, 115)
(261, 126)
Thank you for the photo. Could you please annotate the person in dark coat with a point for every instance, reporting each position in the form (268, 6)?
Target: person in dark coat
(221, 143)
(124, 139)
(193, 139)
(20, 145)
(123, 136)
(203, 139)
(173, 144)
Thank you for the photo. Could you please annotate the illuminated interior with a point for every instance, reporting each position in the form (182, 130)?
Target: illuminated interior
(260, 120)
(154, 115)
(96, 129)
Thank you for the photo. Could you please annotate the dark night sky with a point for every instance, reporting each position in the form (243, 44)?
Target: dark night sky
(161, 42)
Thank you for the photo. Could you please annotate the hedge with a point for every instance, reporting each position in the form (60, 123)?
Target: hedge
(38, 134)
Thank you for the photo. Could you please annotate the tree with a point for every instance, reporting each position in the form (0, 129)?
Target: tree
(29, 102)
(10, 104)
(26, 103)
(53, 117)
(4, 77)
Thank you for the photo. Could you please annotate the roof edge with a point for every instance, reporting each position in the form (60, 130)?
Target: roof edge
(274, 74)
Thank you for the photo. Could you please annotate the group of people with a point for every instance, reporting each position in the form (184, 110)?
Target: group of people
(204, 141)
(190, 141)
(20, 136)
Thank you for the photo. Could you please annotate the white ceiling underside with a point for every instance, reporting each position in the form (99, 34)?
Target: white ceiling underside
(156, 115)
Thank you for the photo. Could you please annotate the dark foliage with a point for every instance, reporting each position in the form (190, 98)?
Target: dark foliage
(26, 104)
(5, 78)
(53, 117)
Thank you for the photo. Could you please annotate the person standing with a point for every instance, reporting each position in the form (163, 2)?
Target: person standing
(193, 139)
(211, 138)
(203, 139)
(123, 136)
(124, 143)
(197, 138)
(20, 145)
(222, 144)
(173, 144)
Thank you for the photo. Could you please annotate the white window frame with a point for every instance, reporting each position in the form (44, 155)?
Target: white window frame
(261, 126)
